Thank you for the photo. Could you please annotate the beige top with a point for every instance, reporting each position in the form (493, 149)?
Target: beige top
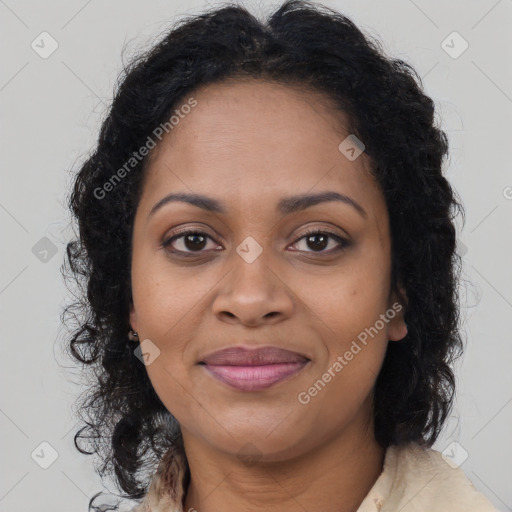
(414, 479)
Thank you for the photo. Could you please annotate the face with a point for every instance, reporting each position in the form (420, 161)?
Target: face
(250, 275)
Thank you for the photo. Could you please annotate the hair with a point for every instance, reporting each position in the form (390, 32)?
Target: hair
(300, 44)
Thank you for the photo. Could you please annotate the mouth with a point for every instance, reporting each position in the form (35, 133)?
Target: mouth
(253, 369)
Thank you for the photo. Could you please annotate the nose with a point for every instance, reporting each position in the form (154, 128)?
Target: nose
(253, 294)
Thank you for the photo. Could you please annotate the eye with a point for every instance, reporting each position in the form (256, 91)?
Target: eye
(319, 240)
(188, 242)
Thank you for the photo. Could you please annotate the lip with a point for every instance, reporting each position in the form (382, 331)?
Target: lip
(253, 369)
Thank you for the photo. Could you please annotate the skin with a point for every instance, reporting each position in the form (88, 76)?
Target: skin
(249, 144)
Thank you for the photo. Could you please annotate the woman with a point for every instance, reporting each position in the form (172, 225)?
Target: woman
(268, 247)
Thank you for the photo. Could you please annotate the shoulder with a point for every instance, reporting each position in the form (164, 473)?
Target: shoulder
(422, 479)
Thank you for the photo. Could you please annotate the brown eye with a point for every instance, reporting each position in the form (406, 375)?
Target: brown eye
(318, 241)
(187, 242)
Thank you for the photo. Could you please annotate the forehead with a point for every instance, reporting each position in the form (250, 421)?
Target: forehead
(251, 141)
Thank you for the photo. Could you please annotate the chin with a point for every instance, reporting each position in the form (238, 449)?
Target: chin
(268, 440)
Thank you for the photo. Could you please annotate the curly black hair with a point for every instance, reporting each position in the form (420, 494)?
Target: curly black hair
(300, 44)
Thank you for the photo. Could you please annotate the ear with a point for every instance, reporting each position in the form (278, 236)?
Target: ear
(133, 318)
(397, 328)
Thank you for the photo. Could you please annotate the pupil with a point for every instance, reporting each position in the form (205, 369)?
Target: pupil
(193, 238)
(323, 244)
(191, 241)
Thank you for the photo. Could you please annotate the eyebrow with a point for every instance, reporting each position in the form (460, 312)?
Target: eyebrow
(286, 205)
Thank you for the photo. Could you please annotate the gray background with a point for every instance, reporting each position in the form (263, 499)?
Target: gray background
(51, 109)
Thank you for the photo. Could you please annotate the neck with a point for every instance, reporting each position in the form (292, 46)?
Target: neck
(333, 476)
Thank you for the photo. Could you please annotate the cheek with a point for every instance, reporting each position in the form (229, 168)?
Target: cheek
(172, 385)
(346, 309)
(168, 305)
(348, 301)
(164, 295)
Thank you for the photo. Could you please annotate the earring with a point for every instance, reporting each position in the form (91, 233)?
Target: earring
(133, 336)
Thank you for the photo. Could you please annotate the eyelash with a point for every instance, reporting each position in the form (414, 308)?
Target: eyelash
(343, 243)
